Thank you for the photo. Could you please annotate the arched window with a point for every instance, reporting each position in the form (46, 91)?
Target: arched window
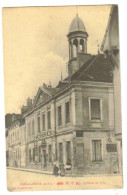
(81, 45)
(70, 53)
(75, 46)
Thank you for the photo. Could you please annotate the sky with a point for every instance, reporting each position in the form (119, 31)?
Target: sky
(35, 46)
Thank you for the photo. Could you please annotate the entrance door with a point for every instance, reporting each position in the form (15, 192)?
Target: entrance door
(44, 158)
(80, 155)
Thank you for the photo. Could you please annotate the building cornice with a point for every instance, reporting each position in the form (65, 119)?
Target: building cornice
(72, 85)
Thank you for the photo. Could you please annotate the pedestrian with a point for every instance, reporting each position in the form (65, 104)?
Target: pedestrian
(62, 170)
(55, 169)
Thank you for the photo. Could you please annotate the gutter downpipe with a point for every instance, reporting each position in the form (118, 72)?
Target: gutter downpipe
(55, 129)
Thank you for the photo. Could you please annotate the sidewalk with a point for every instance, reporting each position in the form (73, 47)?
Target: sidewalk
(68, 175)
(31, 170)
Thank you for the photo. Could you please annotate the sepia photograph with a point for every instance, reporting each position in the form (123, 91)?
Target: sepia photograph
(62, 97)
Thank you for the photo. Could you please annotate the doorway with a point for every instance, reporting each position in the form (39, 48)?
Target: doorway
(44, 158)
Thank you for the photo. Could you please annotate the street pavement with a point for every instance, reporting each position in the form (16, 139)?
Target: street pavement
(18, 180)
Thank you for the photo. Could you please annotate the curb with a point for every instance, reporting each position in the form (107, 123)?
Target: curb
(31, 170)
(50, 173)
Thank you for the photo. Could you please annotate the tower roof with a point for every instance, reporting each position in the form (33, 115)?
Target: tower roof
(77, 25)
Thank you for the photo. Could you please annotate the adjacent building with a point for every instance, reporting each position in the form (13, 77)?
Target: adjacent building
(110, 47)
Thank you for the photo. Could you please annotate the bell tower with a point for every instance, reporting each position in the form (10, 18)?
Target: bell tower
(77, 39)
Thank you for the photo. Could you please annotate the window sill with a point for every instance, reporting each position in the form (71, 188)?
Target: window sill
(67, 123)
(59, 126)
(96, 121)
(97, 162)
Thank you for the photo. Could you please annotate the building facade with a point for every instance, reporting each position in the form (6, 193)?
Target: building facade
(15, 133)
(73, 123)
(110, 46)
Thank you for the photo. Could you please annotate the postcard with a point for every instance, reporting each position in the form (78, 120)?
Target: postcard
(62, 98)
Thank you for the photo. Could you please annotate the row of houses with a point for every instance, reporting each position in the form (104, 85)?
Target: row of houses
(72, 123)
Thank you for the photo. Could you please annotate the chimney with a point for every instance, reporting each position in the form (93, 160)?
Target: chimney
(24, 109)
(44, 85)
(29, 102)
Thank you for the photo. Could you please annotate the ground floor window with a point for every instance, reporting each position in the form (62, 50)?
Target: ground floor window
(68, 153)
(29, 155)
(96, 150)
(33, 154)
(50, 153)
(39, 153)
(60, 152)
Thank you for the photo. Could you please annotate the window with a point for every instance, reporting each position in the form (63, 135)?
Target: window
(38, 122)
(33, 127)
(39, 154)
(68, 153)
(95, 109)
(43, 122)
(79, 133)
(29, 133)
(29, 155)
(13, 137)
(18, 135)
(33, 154)
(67, 112)
(60, 153)
(75, 46)
(96, 150)
(49, 119)
(50, 153)
(81, 45)
(18, 154)
(59, 116)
